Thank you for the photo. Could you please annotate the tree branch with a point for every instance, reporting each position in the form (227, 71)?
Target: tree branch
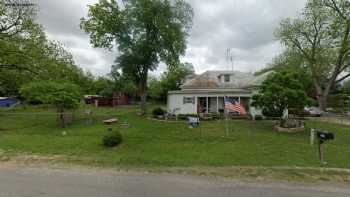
(17, 67)
(333, 5)
(342, 78)
(15, 23)
(297, 44)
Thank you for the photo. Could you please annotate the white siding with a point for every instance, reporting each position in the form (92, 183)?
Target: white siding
(176, 105)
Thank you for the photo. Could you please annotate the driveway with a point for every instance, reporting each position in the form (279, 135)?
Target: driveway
(35, 182)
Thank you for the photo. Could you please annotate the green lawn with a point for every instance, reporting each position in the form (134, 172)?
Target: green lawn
(168, 144)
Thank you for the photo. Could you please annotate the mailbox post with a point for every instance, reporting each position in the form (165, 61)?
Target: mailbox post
(323, 136)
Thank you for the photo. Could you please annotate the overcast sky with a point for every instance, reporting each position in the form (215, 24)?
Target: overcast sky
(244, 26)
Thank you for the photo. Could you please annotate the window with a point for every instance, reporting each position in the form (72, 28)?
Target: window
(189, 100)
(227, 78)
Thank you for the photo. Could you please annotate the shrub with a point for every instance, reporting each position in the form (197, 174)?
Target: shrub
(158, 112)
(259, 117)
(291, 123)
(112, 139)
(185, 116)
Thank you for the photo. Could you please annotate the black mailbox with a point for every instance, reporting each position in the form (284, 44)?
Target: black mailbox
(324, 135)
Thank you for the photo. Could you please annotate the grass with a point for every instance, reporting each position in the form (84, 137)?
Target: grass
(150, 143)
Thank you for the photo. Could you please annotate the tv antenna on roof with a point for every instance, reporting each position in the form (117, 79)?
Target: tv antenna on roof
(229, 59)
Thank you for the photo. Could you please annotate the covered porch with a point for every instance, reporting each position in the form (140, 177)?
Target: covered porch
(216, 104)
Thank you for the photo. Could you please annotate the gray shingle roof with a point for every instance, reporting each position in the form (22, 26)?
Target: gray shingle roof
(210, 80)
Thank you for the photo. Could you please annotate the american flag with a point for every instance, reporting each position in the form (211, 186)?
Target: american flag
(234, 105)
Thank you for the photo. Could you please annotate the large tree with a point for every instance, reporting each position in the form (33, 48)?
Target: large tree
(145, 32)
(321, 35)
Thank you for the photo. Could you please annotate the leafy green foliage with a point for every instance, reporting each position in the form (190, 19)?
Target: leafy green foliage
(112, 139)
(15, 18)
(280, 91)
(156, 89)
(158, 112)
(292, 61)
(103, 86)
(170, 80)
(61, 95)
(174, 78)
(27, 55)
(122, 81)
(145, 32)
(321, 35)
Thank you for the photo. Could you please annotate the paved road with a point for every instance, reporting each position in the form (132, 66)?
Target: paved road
(31, 182)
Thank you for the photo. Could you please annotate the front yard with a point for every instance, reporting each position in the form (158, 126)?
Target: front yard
(149, 143)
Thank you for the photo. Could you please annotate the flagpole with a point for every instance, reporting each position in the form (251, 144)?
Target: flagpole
(226, 121)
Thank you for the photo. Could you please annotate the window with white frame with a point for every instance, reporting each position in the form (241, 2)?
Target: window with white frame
(190, 100)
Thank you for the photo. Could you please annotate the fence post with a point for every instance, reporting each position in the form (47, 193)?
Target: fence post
(312, 137)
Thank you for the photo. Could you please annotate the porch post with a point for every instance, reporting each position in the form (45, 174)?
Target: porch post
(207, 105)
(239, 100)
(217, 104)
(196, 103)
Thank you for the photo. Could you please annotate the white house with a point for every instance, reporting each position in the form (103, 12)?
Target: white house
(205, 93)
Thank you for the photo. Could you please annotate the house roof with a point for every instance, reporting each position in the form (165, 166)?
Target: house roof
(212, 91)
(210, 80)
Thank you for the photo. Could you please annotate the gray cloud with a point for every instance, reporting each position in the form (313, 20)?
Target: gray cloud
(244, 26)
(61, 22)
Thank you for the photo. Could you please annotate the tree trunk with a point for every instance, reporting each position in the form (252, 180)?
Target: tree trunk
(143, 97)
(143, 92)
(60, 115)
(322, 94)
(322, 101)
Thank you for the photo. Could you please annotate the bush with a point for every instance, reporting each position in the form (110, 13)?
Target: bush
(158, 112)
(185, 116)
(259, 117)
(112, 139)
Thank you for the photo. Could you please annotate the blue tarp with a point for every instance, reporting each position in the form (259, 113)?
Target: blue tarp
(8, 102)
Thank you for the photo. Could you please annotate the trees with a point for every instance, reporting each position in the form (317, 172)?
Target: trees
(169, 80)
(145, 33)
(15, 17)
(42, 60)
(321, 35)
(62, 95)
(292, 61)
(28, 57)
(174, 77)
(280, 91)
(123, 82)
(155, 89)
(103, 86)
(15, 26)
